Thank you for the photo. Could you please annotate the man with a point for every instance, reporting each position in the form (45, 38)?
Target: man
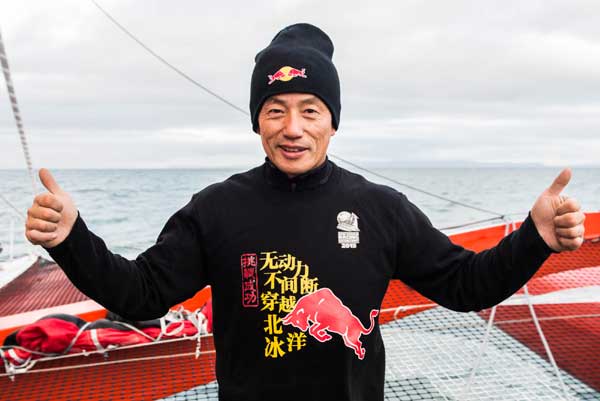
(299, 252)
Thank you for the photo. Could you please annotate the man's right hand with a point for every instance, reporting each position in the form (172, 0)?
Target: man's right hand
(52, 215)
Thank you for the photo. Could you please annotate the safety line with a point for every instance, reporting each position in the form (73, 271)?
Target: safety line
(148, 358)
(500, 215)
(12, 207)
(221, 98)
(544, 341)
(165, 62)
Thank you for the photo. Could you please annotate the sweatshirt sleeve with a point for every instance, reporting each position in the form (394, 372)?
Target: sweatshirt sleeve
(460, 279)
(169, 272)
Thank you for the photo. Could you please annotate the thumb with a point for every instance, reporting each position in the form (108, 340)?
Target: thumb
(48, 181)
(560, 182)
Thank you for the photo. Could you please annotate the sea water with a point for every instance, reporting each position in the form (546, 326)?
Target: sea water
(128, 208)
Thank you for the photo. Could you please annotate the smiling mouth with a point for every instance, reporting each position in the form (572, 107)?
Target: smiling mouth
(292, 149)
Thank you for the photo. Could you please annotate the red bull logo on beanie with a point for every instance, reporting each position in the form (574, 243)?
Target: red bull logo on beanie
(287, 73)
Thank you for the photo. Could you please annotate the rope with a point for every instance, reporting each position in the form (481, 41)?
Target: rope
(545, 342)
(543, 337)
(15, 108)
(550, 318)
(12, 207)
(148, 358)
(239, 109)
(501, 215)
(486, 337)
(485, 342)
(510, 321)
(473, 223)
(482, 351)
(177, 321)
(405, 308)
(197, 353)
(165, 62)
(53, 357)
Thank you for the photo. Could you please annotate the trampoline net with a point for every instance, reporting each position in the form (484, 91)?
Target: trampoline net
(431, 353)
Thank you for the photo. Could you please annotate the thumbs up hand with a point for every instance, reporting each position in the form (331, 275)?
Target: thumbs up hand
(559, 219)
(52, 215)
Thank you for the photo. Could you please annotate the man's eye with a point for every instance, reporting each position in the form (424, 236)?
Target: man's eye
(275, 111)
(311, 111)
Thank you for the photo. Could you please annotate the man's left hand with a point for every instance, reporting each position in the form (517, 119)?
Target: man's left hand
(559, 219)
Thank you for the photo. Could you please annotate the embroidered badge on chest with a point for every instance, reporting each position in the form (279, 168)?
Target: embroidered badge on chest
(348, 234)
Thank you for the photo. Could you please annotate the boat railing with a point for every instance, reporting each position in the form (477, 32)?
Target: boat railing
(7, 240)
(13, 243)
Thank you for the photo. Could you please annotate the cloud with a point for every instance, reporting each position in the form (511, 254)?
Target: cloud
(508, 82)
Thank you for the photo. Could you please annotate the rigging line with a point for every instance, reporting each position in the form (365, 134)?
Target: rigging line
(221, 98)
(15, 108)
(105, 363)
(418, 189)
(165, 62)
(472, 223)
(545, 342)
(13, 207)
(484, 344)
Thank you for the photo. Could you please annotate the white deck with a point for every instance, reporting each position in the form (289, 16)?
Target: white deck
(12, 269)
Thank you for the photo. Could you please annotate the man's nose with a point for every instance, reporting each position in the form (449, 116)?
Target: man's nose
(293, 125)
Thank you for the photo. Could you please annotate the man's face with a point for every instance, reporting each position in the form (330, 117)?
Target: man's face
(295, 129)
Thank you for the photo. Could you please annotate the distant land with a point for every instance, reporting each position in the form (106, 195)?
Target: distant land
(370, 164)
(469, 164)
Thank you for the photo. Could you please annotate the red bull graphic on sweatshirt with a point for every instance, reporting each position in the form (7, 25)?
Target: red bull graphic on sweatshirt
(321, 313)
(291, 299)
(287, 73)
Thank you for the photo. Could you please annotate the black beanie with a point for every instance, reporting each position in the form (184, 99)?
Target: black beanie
(298, 59)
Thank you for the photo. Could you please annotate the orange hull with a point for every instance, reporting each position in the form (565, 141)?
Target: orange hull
(159, 370)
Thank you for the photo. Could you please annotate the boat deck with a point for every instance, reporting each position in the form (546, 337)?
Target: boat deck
(42, 286)
(431, 352)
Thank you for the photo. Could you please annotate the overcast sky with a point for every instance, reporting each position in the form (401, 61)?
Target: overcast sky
(423, 82)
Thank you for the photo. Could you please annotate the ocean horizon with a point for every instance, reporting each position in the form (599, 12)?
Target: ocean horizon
(128, 207)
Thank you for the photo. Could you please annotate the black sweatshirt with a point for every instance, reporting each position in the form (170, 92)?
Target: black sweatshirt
(298, 269)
